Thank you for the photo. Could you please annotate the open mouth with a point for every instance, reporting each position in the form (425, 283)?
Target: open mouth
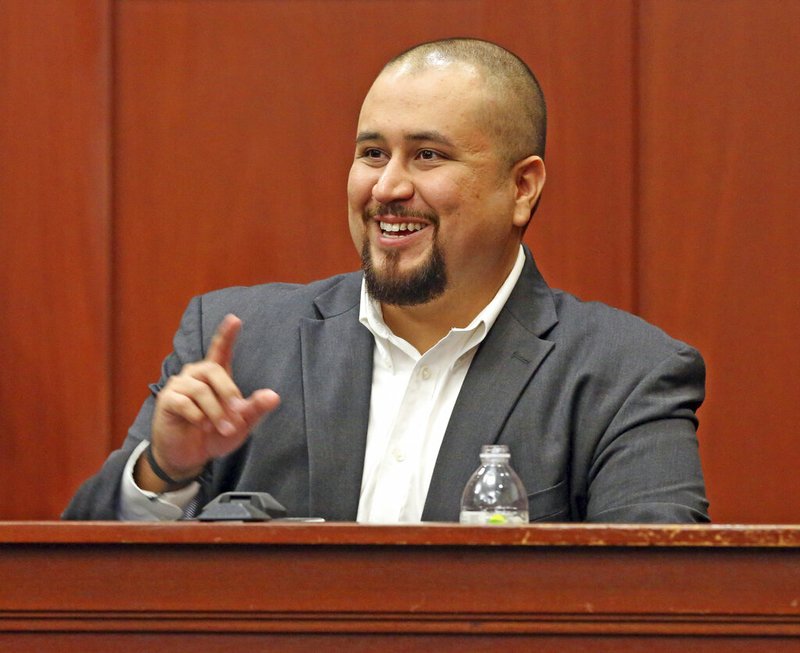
(400, 229)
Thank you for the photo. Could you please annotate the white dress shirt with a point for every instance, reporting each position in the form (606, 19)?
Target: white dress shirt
(136, 504)
(412, 399)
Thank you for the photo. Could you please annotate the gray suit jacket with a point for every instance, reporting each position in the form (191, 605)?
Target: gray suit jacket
(597, 407)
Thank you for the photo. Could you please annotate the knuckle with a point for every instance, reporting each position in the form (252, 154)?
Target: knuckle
(182, 401)
(189, 369)
(200, 369)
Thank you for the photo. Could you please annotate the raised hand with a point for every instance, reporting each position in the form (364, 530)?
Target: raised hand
(201, 414)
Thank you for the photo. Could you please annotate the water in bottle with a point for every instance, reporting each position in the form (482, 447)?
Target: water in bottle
(494, 495)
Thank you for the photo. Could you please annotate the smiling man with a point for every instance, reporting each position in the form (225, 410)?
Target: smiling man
(367, 396)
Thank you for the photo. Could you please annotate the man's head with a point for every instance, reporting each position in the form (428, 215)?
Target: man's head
(447, 172)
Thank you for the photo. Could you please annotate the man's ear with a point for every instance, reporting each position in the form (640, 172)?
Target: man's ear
(529, 178)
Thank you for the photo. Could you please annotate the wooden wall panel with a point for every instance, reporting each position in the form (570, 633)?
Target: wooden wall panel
(234, 134)
(583, 54)
(720, 235)
(54, 252)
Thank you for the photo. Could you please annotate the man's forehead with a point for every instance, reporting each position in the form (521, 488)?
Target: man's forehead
(424, 117)
(444, 104)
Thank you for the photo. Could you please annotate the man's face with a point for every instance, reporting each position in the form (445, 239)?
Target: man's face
(430, 196)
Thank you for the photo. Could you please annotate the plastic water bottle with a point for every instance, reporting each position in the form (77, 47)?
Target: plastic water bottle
(494, 495)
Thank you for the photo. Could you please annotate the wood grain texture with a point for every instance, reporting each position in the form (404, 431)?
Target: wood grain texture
(748, 536)
(719, 235)
(55, 348)
(400, 588)
(584, 55)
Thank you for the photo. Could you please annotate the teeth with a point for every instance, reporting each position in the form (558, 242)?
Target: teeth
(389, 227)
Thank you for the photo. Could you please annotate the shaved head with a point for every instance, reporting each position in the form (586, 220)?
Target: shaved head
(516, 112)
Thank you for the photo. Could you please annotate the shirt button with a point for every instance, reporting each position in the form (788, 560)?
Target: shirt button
(399, 454)
(426, 373)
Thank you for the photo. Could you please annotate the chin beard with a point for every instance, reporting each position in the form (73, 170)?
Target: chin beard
(418, 286)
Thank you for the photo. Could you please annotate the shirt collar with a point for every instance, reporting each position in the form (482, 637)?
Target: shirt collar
(371, 315)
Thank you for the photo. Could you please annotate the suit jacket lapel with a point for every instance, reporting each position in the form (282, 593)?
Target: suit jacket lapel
(337, 383)
(502, 367)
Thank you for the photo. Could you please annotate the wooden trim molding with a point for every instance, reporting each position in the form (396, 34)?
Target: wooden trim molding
(287, 584)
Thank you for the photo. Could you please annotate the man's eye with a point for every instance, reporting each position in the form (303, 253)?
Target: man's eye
(372, 153)
(428, 155)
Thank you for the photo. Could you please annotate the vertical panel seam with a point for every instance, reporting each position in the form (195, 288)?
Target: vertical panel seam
(636, 158)
(113, 327)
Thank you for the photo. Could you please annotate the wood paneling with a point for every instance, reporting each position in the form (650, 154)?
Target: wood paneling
(228, 126)
(54, 253)
(719, 233)
(583, 54)
(278, 586)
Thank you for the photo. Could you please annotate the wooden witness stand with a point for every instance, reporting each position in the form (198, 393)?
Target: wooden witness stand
(298, 587)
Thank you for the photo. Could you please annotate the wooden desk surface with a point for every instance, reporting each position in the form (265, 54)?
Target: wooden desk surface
(290, 532)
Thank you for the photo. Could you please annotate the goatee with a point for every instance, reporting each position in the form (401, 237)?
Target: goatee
(418, 286)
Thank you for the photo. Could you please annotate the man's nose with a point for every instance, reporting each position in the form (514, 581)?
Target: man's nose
(393, 184)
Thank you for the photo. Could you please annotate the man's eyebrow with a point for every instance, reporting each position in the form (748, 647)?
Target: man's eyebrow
(430, 136)
(368, 136)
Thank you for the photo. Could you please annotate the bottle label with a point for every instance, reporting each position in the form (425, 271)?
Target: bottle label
(494, 517)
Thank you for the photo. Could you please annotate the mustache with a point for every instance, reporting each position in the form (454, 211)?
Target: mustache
(400, 211)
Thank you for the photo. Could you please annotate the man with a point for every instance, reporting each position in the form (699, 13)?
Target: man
(368, 396)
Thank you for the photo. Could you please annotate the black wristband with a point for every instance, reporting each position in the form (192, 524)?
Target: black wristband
(151, 460)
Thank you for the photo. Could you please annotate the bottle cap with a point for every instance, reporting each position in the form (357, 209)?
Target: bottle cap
(495, 451)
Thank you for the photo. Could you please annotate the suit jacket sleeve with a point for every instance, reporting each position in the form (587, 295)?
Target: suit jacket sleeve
(98, 497)
(646, 466)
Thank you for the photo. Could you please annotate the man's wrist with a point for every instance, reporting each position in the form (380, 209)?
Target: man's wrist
(144, 497)
(156, 471)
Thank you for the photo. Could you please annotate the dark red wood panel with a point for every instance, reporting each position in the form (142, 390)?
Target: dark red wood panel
(719, 235)
(583, 54)
(54, 251)
(399, 588)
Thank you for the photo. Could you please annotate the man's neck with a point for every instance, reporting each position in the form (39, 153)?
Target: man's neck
(424, 325)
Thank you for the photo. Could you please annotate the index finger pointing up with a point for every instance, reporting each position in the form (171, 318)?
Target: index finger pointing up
(221, 349)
